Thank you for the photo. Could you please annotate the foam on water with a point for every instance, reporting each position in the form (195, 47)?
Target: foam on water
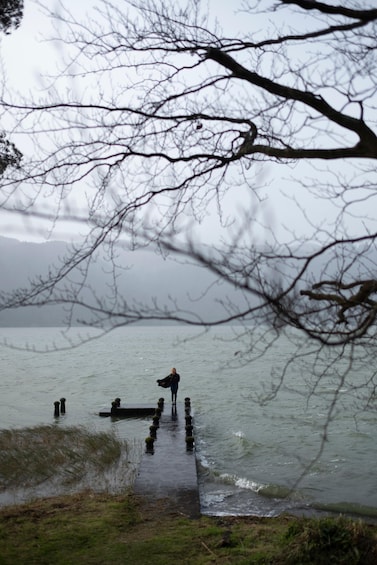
(239, 434)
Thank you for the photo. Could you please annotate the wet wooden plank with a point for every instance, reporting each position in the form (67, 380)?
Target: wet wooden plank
(130, 411)
(170, 471)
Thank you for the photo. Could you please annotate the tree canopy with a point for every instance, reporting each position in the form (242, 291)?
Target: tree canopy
(9, 154)
(11, 12)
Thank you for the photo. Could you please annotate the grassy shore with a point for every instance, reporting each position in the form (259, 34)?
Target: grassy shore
(102, 528)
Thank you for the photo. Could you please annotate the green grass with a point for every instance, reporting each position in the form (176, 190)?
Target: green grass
(103, 529)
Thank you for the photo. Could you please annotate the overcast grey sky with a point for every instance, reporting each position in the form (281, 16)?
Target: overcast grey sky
(27, 58)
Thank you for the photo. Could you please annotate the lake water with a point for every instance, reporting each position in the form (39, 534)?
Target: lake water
(254, 458)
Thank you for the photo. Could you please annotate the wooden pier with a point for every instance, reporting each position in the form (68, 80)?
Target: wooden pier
(168, 474)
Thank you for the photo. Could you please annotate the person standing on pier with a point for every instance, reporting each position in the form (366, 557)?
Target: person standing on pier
(174, 380)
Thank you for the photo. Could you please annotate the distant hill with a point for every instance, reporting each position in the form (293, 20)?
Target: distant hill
(145, 277)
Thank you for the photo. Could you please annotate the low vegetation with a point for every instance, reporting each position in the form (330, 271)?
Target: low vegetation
(45, 460)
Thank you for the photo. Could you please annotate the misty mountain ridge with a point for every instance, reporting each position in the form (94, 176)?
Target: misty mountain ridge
(145, 277)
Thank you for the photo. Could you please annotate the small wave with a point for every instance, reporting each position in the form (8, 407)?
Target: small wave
(216, 497)
(240, 482)
(204, 464)
(239, 434)
(249, 485)
(277, 491)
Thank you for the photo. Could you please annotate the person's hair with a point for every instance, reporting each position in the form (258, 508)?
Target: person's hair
(174, 370)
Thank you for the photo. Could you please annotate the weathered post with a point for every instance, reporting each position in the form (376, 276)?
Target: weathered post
(57, 409)
(188, 420)
(62, 405)
(114, 408)
(149, 443)
(153, 431)
(190, 441)
(160, 404)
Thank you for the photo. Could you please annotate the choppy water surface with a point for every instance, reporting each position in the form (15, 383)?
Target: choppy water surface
(250, 455)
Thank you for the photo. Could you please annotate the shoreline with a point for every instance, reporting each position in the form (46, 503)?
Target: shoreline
(44, 461)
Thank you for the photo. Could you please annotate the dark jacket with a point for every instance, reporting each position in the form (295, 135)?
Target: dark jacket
(174, 380)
